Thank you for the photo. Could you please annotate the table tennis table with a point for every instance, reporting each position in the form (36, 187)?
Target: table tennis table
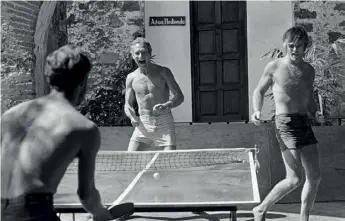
(189, 181)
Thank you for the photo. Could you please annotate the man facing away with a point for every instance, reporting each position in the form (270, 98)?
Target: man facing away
(291, 80)
(150, 85)
(41, 137)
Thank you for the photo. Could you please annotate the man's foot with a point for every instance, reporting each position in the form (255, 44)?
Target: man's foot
(259, 215)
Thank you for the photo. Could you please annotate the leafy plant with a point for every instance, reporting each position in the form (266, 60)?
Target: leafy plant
(328, 62)
(99, 27)
(106, 108)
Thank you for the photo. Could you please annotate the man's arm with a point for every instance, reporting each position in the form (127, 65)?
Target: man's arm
(265, 82)
(178, 96)
(312, 105)
(87, 192)
(129, 99)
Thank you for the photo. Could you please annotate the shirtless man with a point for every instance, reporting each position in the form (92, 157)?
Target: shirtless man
(41, 137)
(150, 85)
(292, 80)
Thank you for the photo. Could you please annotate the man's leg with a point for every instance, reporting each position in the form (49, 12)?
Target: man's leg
(137, 146)
(310, 162)
(140, 140)
(293, 166)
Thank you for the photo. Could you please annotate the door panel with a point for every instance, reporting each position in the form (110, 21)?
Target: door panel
(219, 60)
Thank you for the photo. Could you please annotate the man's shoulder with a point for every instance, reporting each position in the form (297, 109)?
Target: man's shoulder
(272, 66)
(91, 129)
(66, 114)
(79, 122)
(19, 107)
(132, 74)
(77, 125)
(164, 71)
(275, 63)
(21, 110)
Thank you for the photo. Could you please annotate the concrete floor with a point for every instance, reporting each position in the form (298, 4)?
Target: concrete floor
(331, 211)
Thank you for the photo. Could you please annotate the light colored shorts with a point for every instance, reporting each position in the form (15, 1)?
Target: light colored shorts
(158, 130)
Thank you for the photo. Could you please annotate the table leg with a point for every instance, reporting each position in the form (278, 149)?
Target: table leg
(233, 215)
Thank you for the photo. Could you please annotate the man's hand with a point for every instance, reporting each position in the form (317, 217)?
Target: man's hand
(159, 108)
(103, 215)
(135, 122)
(256, 117)
(319, 117)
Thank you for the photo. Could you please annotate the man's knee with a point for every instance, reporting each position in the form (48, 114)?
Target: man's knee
(294, 181)
(315, 176)
(137, 146)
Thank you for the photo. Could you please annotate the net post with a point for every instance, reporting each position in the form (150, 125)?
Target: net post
(233, 214)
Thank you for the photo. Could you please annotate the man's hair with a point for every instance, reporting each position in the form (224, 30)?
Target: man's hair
(296, 33)
(67, 67)
(143, 41)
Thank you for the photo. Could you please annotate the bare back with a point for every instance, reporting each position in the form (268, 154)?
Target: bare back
(40, 138)
(150, 89)
(292, 87)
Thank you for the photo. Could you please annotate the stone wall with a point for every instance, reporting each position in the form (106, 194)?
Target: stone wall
(325, 22)
(29, 32)
(18, 23)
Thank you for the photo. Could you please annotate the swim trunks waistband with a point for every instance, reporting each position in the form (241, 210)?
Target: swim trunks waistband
(33, 207)
(32, 197)
(291, 115)
(152, 113)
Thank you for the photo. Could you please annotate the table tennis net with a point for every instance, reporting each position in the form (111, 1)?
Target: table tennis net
(137, 161)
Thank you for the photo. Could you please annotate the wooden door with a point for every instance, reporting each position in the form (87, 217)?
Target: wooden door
(220, 90)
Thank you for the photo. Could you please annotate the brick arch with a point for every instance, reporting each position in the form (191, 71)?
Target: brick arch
(50, 34)
(35, 28)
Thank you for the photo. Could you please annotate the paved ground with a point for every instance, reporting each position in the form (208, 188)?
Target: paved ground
(333, 211)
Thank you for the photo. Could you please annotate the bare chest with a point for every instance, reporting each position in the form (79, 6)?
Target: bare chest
(143, 84)
(293, 80)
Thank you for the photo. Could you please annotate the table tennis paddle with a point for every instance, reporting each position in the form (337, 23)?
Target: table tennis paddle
(121, 211)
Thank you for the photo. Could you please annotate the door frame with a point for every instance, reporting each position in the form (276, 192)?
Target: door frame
(193, 45)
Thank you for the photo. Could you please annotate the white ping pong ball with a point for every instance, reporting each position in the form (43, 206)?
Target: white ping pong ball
(156, 176)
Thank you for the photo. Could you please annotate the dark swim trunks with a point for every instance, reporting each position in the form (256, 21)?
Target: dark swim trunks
(294, 131)
(33, 207)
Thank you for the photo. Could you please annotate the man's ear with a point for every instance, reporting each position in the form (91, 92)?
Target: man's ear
(285, 47)
(83, 83)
